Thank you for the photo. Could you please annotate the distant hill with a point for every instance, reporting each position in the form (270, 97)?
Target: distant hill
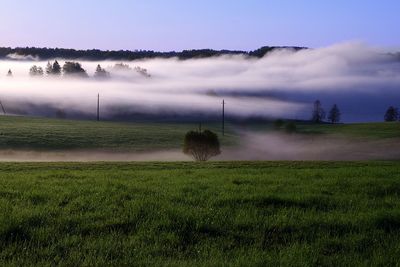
(34, 53)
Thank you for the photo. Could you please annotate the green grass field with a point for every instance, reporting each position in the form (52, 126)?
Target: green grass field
(52, 134)
(31, 133)
(189, 214)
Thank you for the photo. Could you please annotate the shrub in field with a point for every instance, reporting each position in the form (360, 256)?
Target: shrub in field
(201, 145)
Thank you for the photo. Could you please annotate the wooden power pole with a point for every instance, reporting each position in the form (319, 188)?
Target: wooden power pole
(223, 117)
(98, 107)
(2, 107)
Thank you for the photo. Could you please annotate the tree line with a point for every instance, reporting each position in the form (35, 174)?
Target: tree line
(334, 115)
(75, 69)
(69, 69)
(98, 55)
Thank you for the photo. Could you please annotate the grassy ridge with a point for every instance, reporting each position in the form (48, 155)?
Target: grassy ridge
(369, 130)
(374, 130)
(214, 214)
(52, 134)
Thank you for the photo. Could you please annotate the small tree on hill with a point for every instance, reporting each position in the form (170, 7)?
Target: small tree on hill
(9, 73)
(334, 114)
(201, 145)
(391, 114)
(318, 114)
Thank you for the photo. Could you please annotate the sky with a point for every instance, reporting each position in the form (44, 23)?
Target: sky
(166, 25)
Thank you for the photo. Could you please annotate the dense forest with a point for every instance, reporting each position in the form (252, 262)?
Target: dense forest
(95, 54)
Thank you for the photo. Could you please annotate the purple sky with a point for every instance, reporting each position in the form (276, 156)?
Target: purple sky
(185, 24)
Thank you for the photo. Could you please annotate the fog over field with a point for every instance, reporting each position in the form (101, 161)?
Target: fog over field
(362, 80)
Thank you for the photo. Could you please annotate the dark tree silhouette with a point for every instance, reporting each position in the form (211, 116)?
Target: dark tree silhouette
(391, 114)
(53, 69)
(56, 70)
(49, 68)
(318, 114)
(334, 114)
(9, 73)
(101, 73)
(95, 54)
(73, 69)
(201, 145)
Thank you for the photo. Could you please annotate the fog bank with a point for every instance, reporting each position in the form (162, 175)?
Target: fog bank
(362, 80)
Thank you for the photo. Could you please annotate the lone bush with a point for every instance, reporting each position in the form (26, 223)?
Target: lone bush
(201, 146)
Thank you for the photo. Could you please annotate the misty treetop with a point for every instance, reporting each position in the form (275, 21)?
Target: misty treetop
(142, 71)
(53, 69)
(9, 73)
(75, 69)
(35, 71)
(122, 67)
(101, 73)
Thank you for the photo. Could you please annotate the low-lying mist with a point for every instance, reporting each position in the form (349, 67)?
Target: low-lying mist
(362, 80)
(252, 146)
(278, 146)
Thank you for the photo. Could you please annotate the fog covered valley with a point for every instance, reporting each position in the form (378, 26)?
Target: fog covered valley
(362, 80)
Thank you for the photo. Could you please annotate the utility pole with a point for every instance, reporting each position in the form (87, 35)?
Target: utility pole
(223, 117)
(98, 107)
(2, 107)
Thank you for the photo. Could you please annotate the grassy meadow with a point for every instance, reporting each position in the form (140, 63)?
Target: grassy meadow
(190, 214)
(34, 133)
(43, 134)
